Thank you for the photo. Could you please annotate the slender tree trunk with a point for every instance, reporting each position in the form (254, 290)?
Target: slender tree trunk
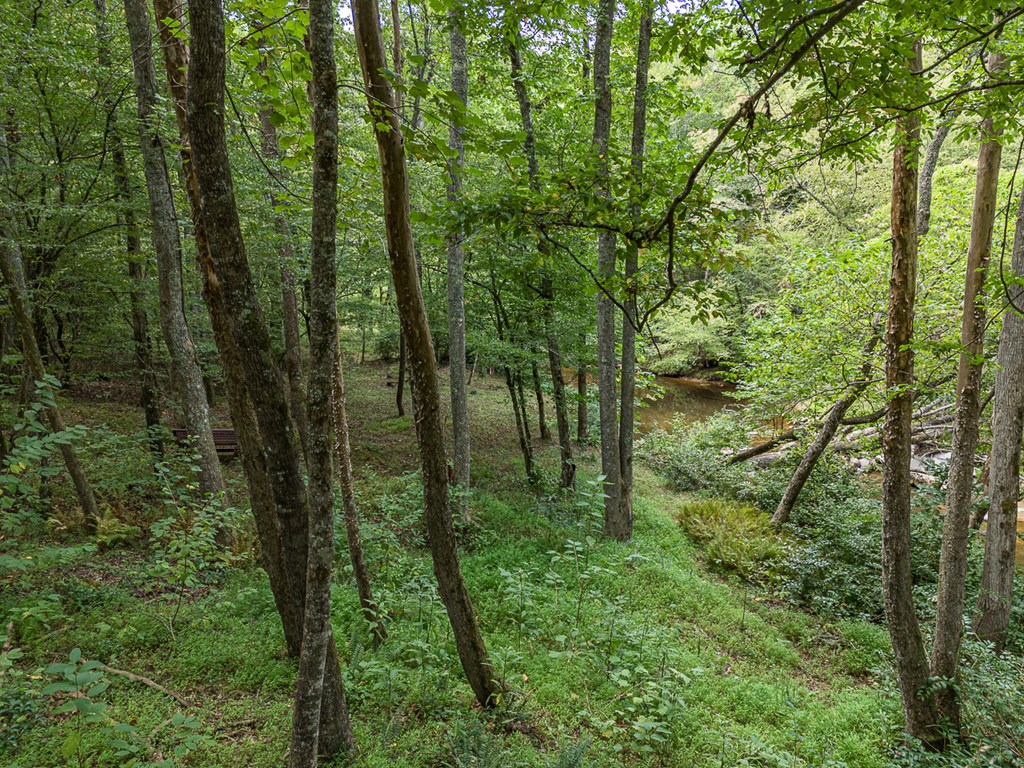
(920, 715)
(538, 392)
(825, 435)
(456, 273)
(14, 275)
(615, 525)
(226, 271)
(149, 393)
(996, 596)
(323, 354)
(289, 300)
(949, 607)
(924, 186)
(423, 366)
(243, 415)
(631, 316)
(343, 453)
(185, 371)
(567, 475)
(582, 407)
(403, 356)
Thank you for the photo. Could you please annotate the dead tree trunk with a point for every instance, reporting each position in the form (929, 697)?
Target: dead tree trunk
(422, 363)
(825, 435)
(949, 607)
(919, 711)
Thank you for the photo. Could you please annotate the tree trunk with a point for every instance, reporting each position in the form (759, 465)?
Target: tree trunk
(616, 526)
(323, 353)
(185, 371)
(402, 361)
(924, 186)
(582, 407)
(996, 596)
(456, 274)
(920, 716)
(289, 300)
(567, 475)
(149, 393)
(423, 366)
(631, 316)
(343, 452)
(825, 435)
(14, 275)
(226, 271)
(538, 392)
(949, 607)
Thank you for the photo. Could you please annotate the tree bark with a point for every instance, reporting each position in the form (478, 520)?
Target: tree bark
(538, 393)
(185, 371)
(226, 271)
(13, 270)
(632, 266)
(289, 300)
(924, 185)
(343, 453)
(567, 475)
(582, 407)
(920, 715)
(949, 607)
(149, 392)
(996, 596)
(616, 526)
(457, 273)
(422, 363)
(825, 435)
(14, 275)
(323, 354)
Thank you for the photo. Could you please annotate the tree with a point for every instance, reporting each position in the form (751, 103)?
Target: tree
(457, 270)
(546, 288)
(616, 525)
(226, 270)
(956, 526)
(996, 595)
(422, 364)
(919, 710)
(185, 372)
(316, 625)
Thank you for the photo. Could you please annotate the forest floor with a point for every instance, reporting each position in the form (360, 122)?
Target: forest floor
(637, 654)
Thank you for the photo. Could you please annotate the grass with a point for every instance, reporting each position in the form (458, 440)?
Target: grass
(636, 652)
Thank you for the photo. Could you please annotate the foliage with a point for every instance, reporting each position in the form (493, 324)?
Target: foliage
(735, 536)
(27, 469)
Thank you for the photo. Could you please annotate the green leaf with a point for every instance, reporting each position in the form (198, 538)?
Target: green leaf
(71, 745)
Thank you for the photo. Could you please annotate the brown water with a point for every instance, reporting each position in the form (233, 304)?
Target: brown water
(692, 399)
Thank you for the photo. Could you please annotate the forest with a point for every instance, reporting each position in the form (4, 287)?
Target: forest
(543, 383)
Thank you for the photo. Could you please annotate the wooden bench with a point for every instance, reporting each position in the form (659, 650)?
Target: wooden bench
(224, 440)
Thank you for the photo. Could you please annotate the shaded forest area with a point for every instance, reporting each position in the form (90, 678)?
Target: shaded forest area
(330, 338)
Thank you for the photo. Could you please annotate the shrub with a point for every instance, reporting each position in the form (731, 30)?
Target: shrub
(735, 536)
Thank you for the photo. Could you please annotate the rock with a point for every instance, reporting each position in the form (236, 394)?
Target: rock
(922, 478)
